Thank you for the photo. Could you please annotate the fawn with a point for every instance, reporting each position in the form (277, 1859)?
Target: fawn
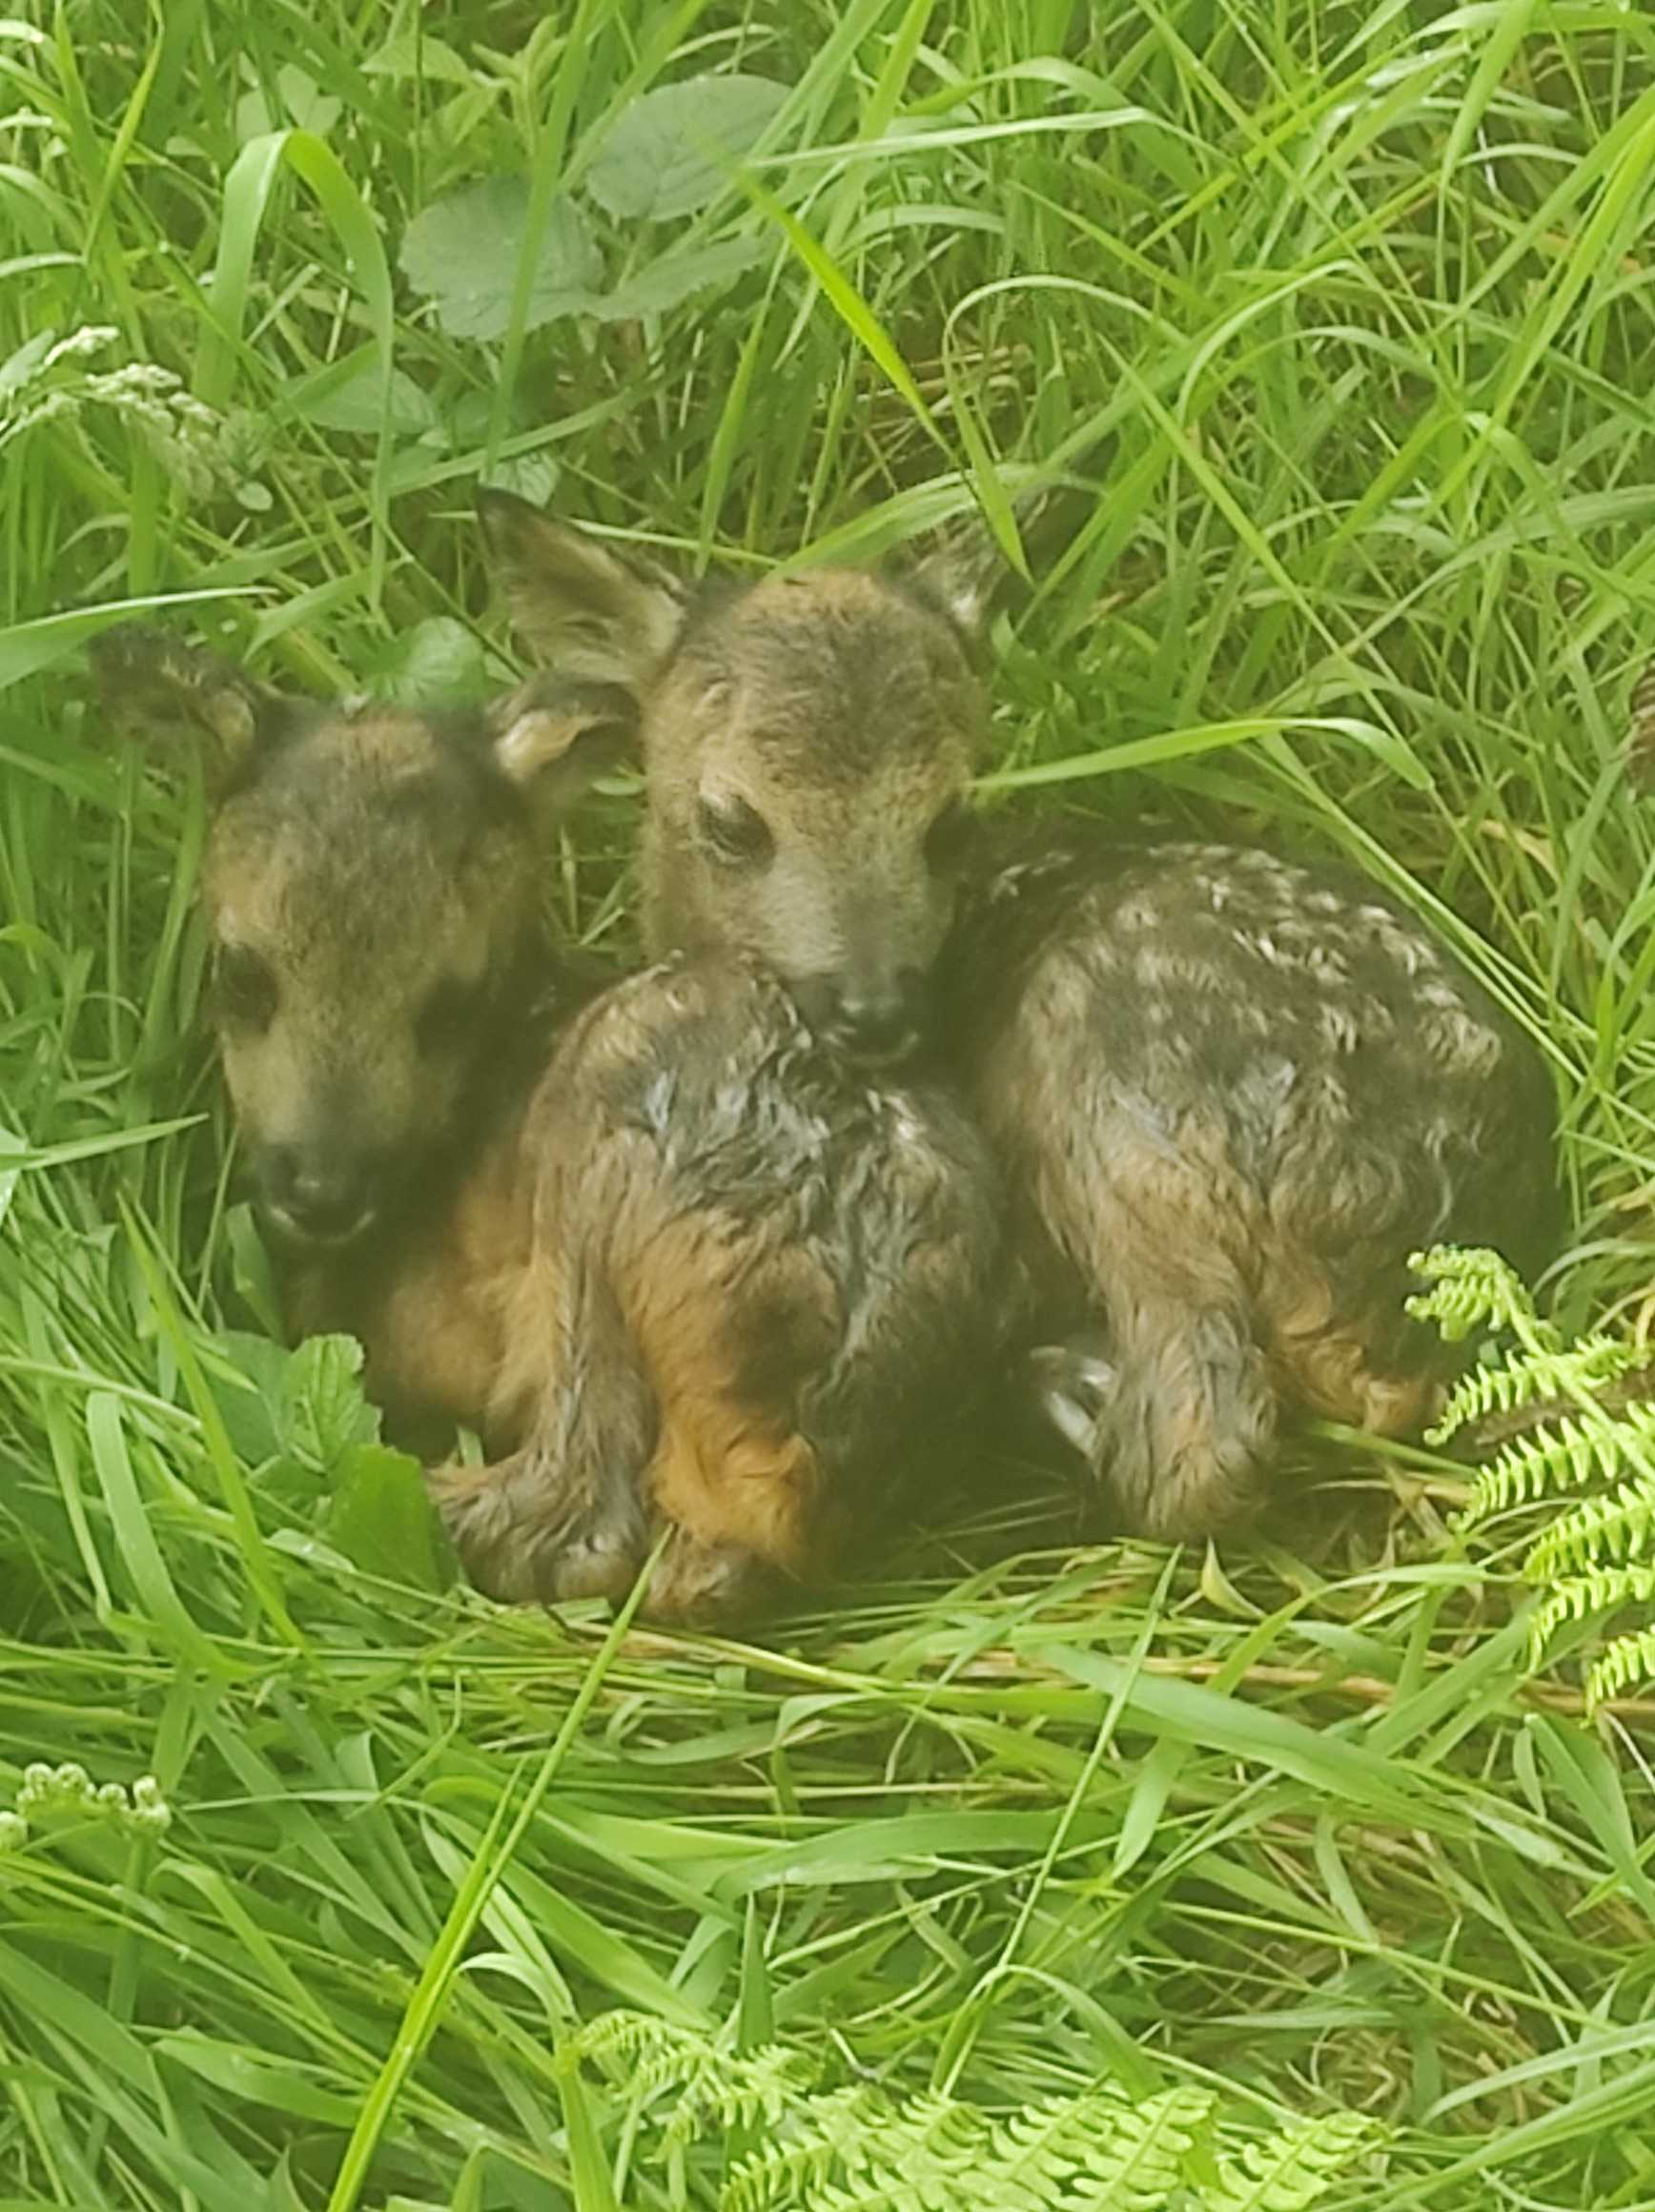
(682, 1267)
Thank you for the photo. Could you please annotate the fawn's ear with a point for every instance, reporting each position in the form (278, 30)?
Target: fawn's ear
(582, 608)
(150, 684)
(966, 573)
(965, 579)
(556, 735)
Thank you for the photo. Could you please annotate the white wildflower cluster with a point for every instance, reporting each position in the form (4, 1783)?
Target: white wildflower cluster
(47, 1793)
(203, 453)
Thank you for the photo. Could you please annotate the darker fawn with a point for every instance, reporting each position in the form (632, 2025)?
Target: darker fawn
(680, 1267)
(1233, 1092)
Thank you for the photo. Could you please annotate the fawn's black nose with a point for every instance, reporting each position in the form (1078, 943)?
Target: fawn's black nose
(876, 1022)
(877, 1025)
(318, 1198)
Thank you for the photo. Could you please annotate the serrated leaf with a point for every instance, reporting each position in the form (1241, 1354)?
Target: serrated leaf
(382, 1516)
(322, 1413)
(435, 663)
(676, 277)
(463, 253)
(670, 151)
(251, 1409)
(345, 395)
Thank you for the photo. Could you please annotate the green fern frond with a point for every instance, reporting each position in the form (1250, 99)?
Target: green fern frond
(1525, 1379)
(747, 2092)
(1294, 2169)
(1604, 1590)
(925, 2156)
(855, 2149)
(1629, 1664)
(1472, 1288)
(786, 2173)
(1617, 1528)
(632, 2038)
(1037, 2151)
(1576, 1416)
(650, 2055)
(715, 2091)
(1564, 1453)
(1137, 2167)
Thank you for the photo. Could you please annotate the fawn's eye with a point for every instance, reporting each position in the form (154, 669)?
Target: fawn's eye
(948, 840)
(735, 833)
(451, 1013)
(244, 989)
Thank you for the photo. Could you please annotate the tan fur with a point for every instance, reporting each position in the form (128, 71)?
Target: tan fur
(676, 1349)
(442, 1324)
(840, 707)
(331, 871)
(725, 1469)
(1331, 1372)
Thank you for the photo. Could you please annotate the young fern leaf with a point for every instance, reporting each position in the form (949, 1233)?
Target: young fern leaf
(716, 2091)
(1527, 1381)
(794, 2172)
(1561, 1419)
(632, 2038)
(1629, 1664)
(1291, 2172)
(1581, 1597)
(925, 2156)
(854, 2148)
(747, 2091)
(1137, 2167)
(1475, 1289)
(1564, 1453)
(1619, 1528)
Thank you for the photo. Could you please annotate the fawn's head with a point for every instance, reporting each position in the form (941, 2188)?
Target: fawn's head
(371, 883)
(809, 744)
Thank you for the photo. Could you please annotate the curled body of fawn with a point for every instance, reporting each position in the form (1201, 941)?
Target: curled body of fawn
(1232, 1094)
(681, 1268)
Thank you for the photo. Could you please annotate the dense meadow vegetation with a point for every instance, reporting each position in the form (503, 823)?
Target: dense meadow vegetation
(1027, 1873)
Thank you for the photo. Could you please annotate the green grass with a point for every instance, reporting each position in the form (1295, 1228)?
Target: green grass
(1361, 297)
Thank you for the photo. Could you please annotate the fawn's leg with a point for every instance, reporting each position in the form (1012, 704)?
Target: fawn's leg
(562, 1516)
(727, 1321)
(1168, 1395)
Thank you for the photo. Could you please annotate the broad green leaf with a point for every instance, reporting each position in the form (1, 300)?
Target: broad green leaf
(463, 253)
(675, 277)
(435, 664)
(298, 101)
(382, 1518)
(671, 151)
(321, 1412)
(347, 395)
